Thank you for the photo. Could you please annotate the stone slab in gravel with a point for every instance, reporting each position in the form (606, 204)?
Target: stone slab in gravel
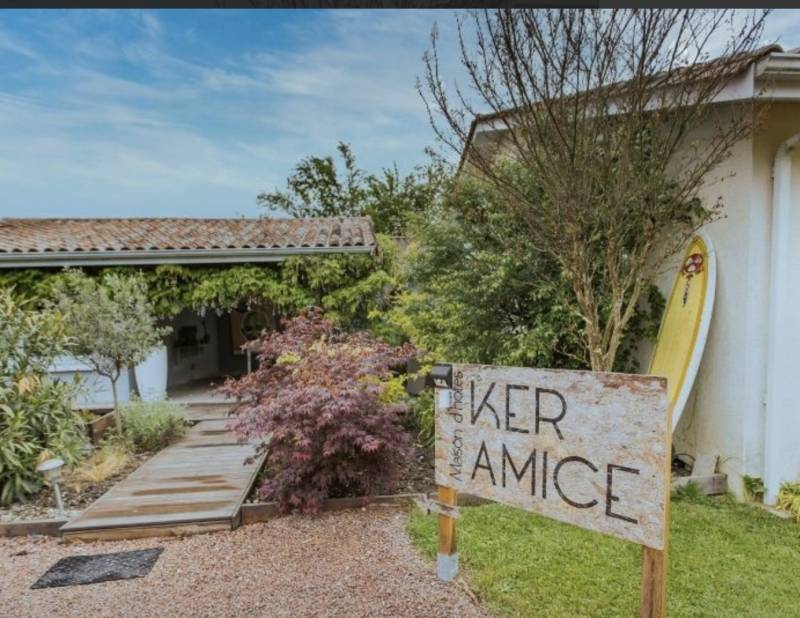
(347, 563)
(96, 568)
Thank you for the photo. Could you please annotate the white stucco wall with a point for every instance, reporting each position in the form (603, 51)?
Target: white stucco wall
(709, 426)
(782, 430)
(184, 365)
(727, 414)
(95, 390)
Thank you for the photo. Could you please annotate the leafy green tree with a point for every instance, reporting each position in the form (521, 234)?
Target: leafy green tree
(615, 114)
(356, 291)
(111, 322)
(36, 413)
(479, 290)
(392, 199)
(319, 187)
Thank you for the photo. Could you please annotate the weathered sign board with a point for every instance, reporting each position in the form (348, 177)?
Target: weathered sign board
(591, 449)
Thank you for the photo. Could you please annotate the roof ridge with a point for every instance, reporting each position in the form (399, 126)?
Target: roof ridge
(24, 238)
(42, 219)
(752, 57)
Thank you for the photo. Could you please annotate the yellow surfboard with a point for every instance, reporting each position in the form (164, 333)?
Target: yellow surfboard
(684, 327)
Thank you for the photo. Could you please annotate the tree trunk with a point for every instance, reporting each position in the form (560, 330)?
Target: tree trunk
(117, 415)
(598, 357)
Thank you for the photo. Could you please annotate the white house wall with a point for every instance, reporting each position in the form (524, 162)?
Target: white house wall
(782, 429)
(712, 424)
(95, 390)
(727, 417)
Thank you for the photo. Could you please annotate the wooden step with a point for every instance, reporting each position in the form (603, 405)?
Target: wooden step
(143, 532)
(207, 411)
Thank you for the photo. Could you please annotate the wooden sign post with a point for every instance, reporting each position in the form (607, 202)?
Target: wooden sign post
(447, 557)
(586, 448)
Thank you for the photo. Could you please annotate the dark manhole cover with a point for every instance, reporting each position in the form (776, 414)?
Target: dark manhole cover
(79, 570)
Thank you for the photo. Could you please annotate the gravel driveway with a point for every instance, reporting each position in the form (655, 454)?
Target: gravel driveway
(350, 563)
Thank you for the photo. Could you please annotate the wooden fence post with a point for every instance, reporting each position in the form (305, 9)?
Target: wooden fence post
(447, 557)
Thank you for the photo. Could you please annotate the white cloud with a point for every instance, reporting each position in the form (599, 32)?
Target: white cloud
(151, 24)
(120, 117)
(226, 81)
(190, 137)
(12, 44)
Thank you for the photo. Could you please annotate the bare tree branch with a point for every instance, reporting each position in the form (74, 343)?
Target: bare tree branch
(610, 115)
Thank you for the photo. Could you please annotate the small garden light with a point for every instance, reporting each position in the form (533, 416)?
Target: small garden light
(441, 377)
(50, 469)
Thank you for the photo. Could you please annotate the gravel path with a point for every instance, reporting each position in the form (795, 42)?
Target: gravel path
(350, 563)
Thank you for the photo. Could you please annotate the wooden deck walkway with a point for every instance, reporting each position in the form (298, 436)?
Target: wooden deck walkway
(207, 412)
(196, 485)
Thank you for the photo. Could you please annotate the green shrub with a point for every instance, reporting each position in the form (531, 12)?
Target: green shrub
(150, 426)
(789, 499)
(423, 414)
(481, 290)
(690, 492)
(754, 488)
(36, 416)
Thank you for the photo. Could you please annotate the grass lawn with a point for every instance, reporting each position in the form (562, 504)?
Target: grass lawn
(726, 559)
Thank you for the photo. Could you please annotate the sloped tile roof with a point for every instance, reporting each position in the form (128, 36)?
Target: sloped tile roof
(58, 237)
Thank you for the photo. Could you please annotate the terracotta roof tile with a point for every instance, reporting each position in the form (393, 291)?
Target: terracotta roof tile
(36, 236)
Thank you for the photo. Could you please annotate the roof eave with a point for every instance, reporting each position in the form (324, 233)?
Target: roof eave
(64, 259)
(774, 76)
(777, 77)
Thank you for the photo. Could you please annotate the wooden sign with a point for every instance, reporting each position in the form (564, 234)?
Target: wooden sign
(591, 449)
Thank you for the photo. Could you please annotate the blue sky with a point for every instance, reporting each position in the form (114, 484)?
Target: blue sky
(193, 113)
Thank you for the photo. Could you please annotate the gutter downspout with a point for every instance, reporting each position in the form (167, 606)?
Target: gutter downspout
(780, 400)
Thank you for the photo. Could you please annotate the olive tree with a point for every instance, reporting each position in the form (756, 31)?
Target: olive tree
(610, 113)
(111, 322)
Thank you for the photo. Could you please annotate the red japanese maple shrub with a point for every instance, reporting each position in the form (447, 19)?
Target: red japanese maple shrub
(318, 406)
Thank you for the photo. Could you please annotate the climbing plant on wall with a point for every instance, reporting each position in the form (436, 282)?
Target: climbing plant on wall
(353, 289)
